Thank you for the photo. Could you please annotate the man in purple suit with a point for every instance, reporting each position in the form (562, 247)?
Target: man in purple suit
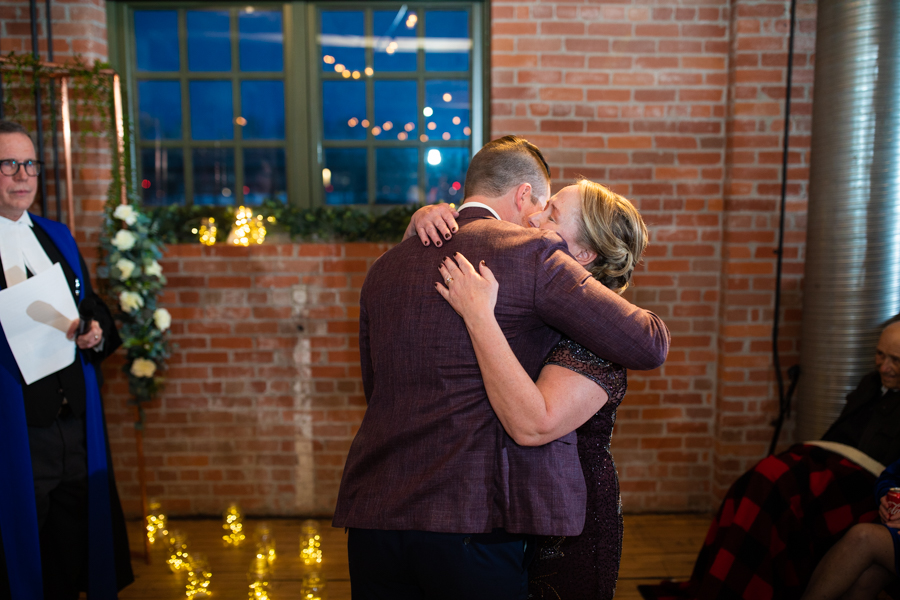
(438, 499)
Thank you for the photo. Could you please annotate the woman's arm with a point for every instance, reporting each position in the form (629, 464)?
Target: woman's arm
(435, 222)
(532, 414)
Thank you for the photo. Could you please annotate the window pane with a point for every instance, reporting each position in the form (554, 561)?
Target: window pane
(344, 176)
(156, 40)
(264, 175)
(342, 40)
(447, 40)
(261, 41)
(262, 105)
(159, 107)
(445, 174)
(213, 175)
(344, 110)
(162, 181)
(396, 110)
(397, 175)
(209, 40)
(211, 110)
(450, 109)
(395, 40)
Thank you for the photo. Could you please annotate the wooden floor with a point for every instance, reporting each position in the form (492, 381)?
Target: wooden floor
(656, 547)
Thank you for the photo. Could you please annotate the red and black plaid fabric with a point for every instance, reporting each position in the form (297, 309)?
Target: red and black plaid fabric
(776, 523)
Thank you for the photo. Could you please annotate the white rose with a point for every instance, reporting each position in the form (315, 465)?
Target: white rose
(141, 367)
(153, 269)
(124, 240)
(162, 318)
(125, 267)
(130, 301)
(126, 213)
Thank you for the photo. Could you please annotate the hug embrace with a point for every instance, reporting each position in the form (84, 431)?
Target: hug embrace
(467, 478)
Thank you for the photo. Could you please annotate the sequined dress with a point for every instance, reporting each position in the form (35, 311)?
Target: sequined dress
(587, 566)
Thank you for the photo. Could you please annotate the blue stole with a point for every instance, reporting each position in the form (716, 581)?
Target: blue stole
(18, 514)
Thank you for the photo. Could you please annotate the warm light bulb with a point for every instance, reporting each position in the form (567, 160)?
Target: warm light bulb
(432, 126)
(402, 136)
(456, 120)
(370, 71)
(339, 68)
(446, 135)
(329, 60)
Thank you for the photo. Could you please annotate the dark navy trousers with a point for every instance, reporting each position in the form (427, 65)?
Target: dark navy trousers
(424, 565)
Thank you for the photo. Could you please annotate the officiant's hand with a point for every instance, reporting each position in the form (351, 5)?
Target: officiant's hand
(90, 339)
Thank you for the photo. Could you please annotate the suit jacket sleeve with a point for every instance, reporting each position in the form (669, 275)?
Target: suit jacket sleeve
(571, 301)
(365, 351)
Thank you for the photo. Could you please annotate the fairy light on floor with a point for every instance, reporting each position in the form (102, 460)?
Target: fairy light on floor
(310, 543)
(198, 577)
(248, 229)
(234, 526)
(156, 522)
(179, 557)
(265, 542)
(259, 577)
(207, 231)
(313, 587)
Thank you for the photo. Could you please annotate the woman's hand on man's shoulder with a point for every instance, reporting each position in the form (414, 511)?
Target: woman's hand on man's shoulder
(433, 224)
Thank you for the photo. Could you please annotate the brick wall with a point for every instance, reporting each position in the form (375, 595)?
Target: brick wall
(678, 106)
(79, 28)
(264, 393)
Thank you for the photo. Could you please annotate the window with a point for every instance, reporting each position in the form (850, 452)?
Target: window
(357, 103)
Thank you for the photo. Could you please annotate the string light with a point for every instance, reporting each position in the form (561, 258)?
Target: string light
(313, 587)
(233, 517)
(310, 543)
(456, 120)
(411, 20)
(265, 543)
(369, 71)
(247, 228)
(179, 556)
(329, 60)
(207, 231)
(156, 522)
(258, 575)
(198, 577)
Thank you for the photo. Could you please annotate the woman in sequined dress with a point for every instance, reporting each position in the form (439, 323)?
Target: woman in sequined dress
(576, 389)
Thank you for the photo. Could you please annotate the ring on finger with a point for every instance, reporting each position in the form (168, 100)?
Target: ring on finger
(448, 279)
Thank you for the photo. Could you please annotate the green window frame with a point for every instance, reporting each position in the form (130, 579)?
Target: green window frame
(303, 143)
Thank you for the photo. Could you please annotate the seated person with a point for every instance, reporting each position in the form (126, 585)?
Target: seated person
(781, 517)
(866, 559)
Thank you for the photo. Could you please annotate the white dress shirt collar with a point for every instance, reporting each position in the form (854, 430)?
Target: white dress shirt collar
(480, 205)
(20, 250)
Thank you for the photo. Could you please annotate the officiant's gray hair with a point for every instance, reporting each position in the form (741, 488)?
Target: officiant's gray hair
(7, 126)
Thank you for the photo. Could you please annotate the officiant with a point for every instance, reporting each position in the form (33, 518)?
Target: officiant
(61, 522)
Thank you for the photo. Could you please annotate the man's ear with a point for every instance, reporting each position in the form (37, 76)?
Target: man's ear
(584, 257)
(523, 197)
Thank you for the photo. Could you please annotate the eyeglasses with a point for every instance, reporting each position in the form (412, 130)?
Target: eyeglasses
(10, 167)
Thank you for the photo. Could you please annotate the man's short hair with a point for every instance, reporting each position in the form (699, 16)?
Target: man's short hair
(7, 126)
(504, 163)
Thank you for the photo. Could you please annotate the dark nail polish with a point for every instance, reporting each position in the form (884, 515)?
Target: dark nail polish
(437, 244)
(447, 237)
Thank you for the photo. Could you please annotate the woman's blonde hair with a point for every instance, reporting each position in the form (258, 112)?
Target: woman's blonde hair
(613, 228)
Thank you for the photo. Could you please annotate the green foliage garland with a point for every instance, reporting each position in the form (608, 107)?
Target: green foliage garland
(322, 224)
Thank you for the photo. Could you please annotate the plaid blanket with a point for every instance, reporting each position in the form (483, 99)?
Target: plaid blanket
(776, 523)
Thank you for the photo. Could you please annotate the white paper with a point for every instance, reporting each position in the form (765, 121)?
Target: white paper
(36, 314)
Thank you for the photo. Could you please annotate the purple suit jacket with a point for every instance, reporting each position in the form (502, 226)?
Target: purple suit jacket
(431, 454)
